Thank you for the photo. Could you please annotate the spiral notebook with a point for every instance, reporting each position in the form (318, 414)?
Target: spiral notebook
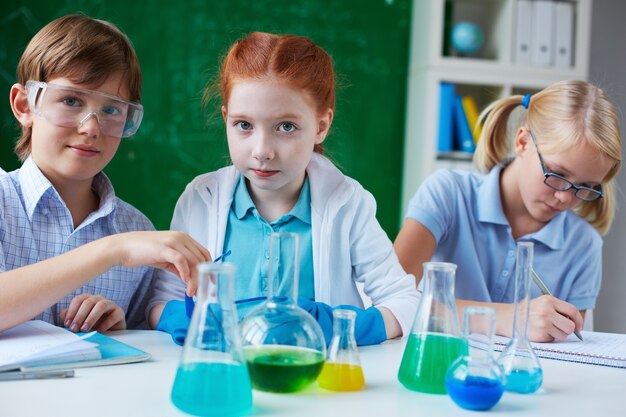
(608, 349)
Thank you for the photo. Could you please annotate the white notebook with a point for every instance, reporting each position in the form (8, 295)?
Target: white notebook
(608, 349)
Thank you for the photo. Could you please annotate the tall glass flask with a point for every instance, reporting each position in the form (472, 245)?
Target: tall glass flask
(435, 340)
(283, 344)
(212, 377)
(522, 369)
(342, 370)
(474, 381)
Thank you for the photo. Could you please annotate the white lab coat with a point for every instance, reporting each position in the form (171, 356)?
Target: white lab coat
(349, 246)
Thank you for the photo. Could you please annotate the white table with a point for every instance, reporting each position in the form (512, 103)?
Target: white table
(143, 389)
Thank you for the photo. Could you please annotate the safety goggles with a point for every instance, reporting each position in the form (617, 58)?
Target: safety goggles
(71, 107)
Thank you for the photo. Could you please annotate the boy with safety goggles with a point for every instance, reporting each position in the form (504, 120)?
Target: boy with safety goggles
(71, 252)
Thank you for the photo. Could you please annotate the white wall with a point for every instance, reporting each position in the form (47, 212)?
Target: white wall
(608, 71)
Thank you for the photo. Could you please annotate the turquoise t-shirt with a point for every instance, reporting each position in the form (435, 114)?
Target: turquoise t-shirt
(248, 239)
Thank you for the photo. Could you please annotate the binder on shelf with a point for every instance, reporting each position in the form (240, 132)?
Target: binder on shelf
(523, 32)
(446, 107)
(463, 133)
(542, 39)
(471, 112)
(564, 35)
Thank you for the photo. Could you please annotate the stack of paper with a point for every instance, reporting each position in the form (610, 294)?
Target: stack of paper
(36, 342)
(37, 345)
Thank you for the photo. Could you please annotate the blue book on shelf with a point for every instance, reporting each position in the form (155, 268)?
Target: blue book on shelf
(463, 133)
(446, 121)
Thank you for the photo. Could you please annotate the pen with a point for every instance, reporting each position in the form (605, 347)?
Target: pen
(546, 291)
(189, 303)
(16, 375)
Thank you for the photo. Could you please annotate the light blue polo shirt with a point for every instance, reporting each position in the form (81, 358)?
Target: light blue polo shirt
(248, 238)
(464, 213)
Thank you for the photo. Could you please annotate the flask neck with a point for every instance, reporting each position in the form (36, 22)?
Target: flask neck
(284, 267)
(523, 269)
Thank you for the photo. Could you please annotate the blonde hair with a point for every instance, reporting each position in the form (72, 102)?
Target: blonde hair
(563, 115)
(86, 51)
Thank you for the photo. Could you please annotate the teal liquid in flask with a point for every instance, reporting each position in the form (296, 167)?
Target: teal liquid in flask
(212, 377)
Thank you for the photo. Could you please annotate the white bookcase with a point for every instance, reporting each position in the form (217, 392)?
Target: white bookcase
(487, 76)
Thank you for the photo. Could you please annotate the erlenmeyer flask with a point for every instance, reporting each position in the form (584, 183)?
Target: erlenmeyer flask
(283, 344)
(522, 369)
(342, 370)
(435, 340)
(212, 377)
(474, 381)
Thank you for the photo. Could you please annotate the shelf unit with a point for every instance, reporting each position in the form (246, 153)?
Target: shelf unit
(490, 75)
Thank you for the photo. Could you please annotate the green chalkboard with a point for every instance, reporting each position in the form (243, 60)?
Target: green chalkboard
(179, 45)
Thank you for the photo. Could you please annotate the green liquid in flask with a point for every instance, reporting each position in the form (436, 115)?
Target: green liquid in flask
(275, 368)
(426, 359)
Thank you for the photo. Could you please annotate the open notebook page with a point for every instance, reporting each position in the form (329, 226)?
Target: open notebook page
(597, 348)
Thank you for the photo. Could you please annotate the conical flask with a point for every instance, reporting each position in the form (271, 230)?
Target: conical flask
(212, 377)
(342, 370)
(435, 340)
(522, 370)
(283, 344)
(475, 381)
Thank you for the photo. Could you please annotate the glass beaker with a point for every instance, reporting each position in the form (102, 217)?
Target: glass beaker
(212, 377)
(342, 370)
(475, 381)
(283, 344)
(521, 366)
(435, 340)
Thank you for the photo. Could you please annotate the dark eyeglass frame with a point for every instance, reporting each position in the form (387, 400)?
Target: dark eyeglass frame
(581, 192)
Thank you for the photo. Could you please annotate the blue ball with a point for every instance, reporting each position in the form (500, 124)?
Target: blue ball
(467, 37)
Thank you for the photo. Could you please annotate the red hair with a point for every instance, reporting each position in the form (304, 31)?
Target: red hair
(293, 59)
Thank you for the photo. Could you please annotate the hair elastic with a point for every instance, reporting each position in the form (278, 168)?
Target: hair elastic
(526, 101)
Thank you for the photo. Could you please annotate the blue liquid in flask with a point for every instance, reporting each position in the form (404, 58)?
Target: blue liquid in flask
(524, 382)
(475, 393)
(212, 389)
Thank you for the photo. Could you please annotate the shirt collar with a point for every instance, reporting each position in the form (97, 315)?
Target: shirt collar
(35, 185)
(489, 202)
(243, 204)
(490, 211)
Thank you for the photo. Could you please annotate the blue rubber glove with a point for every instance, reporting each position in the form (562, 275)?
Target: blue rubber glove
(174, 321)
(369, 327)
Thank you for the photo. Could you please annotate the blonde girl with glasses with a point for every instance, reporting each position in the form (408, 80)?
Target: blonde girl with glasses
(552, 183)
(71, 252)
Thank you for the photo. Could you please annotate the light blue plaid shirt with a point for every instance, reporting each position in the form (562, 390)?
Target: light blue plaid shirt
(35, 224)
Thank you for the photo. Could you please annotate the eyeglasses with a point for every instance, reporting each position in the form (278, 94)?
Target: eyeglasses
(557, 182)
(71, 107)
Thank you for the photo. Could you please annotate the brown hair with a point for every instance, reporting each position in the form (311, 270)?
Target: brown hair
(82, 49)
(290, 58)
(563, 115)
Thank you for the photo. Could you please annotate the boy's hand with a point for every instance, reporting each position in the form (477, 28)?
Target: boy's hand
(176, 252)
(87, 312)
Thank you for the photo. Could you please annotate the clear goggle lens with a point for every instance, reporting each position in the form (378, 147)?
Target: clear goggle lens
(71, 107)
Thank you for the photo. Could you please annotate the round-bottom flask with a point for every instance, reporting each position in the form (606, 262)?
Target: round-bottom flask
(284, 346)
(342, 370)
(475, 381)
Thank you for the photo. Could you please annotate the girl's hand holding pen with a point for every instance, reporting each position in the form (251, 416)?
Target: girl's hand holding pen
(552, 319)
